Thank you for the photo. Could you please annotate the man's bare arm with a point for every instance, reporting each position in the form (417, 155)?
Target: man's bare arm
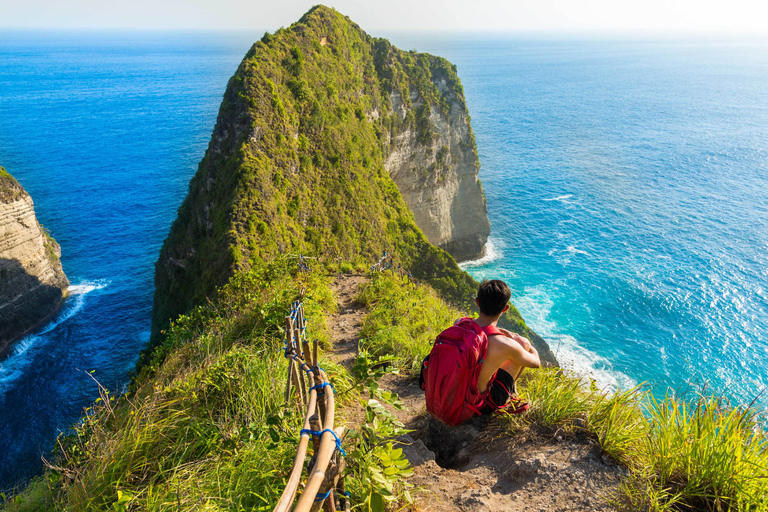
(517, 353)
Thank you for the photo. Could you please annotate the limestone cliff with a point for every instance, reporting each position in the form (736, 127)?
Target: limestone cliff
(32, 282)
(437, 173)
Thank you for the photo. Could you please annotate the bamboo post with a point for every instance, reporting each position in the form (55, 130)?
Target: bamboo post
(329, 484)
(315, 360)
(314, 424)
(307, 353)
(319, 382)
(330, 477)
(297, 340)
(304, 340)
(297, 332)
(288, 384)
(327, 447)
(292, 485)
(288, 334)
(298, 380)
(290, 365)
(341, 491)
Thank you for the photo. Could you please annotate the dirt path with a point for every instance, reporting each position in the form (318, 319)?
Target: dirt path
(481, 468)
(346, 322)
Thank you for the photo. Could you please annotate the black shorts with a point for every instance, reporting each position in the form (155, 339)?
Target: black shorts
(501, 388)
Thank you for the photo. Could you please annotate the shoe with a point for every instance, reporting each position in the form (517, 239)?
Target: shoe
(515, 406)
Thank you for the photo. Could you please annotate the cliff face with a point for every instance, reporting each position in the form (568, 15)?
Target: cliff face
(437, 173)
(32, 282)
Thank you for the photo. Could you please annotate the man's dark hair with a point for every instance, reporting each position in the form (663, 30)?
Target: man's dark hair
(492, 297)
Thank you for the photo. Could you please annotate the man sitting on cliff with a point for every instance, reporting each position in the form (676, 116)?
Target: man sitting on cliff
(474, 365)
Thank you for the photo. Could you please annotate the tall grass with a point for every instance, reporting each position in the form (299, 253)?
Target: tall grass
(206, 426)
(682, 455)
(701, 454)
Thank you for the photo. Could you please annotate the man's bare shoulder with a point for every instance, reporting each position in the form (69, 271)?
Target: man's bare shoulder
(500, 339)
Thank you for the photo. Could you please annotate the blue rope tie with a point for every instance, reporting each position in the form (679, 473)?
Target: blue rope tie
(302, 364)
(316, 433)
(346, 493)
(311, 370)
(322, 386)
(321, 497)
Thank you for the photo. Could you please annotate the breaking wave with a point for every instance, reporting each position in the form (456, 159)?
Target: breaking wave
(12, 366)
(492, 253)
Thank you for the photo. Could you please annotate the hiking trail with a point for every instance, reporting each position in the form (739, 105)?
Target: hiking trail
(481, 468)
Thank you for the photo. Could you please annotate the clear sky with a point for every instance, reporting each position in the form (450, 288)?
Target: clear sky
(733, 16)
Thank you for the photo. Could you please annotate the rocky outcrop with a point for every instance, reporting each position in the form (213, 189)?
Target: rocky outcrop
(438, 174)
(32, 282)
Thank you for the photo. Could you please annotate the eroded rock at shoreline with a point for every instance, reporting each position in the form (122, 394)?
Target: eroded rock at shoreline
(32, 282)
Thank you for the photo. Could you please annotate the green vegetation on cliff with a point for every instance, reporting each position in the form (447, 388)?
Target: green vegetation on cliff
(206, 426)
(296, 163)
(10, 189)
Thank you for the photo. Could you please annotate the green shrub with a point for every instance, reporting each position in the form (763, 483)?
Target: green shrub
(403, 320)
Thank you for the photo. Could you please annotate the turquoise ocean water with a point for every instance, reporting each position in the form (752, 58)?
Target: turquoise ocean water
(626, 185)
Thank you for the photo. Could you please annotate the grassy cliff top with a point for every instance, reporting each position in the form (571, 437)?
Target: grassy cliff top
(207, 425)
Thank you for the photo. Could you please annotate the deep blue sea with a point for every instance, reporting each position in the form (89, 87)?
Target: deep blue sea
(105, 132)
(626, 183)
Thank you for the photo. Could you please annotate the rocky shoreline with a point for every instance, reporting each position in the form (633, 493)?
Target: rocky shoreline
(32, 282)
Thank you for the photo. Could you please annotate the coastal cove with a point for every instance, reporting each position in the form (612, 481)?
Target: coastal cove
(108, 159)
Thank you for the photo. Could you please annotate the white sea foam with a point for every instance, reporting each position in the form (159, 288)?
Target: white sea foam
(12, 367)
(574, 250)
(492, 253)
(535, 305)
(560, 198)
(584, 363)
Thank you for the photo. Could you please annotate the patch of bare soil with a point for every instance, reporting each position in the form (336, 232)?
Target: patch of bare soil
(478, 467)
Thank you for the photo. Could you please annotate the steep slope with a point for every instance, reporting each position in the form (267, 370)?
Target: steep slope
(32, 282)
(432, 157)
(317, 128)
(297, 162)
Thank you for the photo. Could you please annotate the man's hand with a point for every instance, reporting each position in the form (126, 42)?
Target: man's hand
(522, 340)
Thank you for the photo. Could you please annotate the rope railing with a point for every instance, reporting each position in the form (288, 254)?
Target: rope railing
(309, 381)
(386, 262)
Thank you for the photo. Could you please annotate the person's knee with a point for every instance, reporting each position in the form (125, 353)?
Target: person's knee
(511, 367)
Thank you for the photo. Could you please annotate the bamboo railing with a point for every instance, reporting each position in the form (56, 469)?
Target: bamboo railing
(308, 381)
